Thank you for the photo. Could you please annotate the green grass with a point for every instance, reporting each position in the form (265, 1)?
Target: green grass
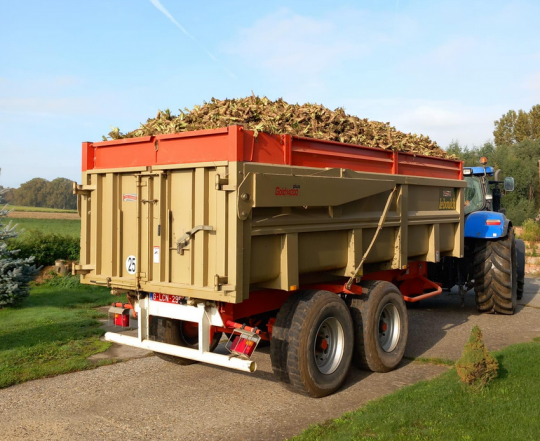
(58, 226)
(51, 333)
(39, 209)
(444, 408)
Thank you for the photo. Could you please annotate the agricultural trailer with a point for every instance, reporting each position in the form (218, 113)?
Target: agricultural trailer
(313, 246)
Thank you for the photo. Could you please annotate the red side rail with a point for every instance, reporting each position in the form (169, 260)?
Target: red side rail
(235, 144)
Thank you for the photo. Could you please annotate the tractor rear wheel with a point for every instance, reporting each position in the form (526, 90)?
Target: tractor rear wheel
(312, 342)
(520, 251)
(179, 333)
(381, 327)
(495, 274)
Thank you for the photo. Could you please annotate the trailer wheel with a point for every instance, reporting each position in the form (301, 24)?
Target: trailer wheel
(312, 342)
(496, 274)
(176, 332)
(520, 252)
(381, 327)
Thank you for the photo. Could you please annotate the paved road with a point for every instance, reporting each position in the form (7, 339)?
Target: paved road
(150, 399)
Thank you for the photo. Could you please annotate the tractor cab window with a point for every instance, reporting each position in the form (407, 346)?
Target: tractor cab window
(474, 199)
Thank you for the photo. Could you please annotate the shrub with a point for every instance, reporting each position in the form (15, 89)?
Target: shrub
(46, 247)
(476, 367)
(531, 230)
(66, 282)
(16, 272)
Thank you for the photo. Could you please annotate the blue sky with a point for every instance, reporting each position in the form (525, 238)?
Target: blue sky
(69, 70)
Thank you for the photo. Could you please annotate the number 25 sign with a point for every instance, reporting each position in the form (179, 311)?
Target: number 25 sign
(131, 264)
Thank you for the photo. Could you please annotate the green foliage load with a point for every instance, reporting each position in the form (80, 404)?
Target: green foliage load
(15, 272)
(47, 247)
(261, 114)
(515, 127)
(39, 192)
(476, 367)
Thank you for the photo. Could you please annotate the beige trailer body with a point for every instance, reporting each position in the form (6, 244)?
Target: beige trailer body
(216, 230)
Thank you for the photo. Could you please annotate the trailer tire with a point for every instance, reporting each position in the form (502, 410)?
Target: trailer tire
(520, 251)
(377, 349)
(495, 274)
(312, 342)
(170, 331)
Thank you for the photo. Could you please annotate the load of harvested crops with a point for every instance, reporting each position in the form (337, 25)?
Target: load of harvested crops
(261, 114)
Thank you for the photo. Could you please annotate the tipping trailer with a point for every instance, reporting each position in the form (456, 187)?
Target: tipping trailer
(312, 245)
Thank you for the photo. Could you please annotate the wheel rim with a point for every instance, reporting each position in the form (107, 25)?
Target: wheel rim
(389, 327)
(329, 345)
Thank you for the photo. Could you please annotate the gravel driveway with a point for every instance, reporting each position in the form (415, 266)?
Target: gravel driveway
(148, 398)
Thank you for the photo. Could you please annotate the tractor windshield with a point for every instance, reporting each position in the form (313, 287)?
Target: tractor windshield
(474, 199)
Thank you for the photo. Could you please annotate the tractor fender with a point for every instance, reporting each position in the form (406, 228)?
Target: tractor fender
(486, 225)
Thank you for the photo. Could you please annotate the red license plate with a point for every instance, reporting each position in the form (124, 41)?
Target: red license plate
(165, 298)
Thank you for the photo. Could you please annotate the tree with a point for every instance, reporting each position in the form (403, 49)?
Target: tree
(39, 192)
(32, 193)
(519, 160)
(514, 127)
(15, 274)
(60, 194)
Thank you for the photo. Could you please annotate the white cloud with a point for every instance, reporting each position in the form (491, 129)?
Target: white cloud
(289, 44)
(443, 121)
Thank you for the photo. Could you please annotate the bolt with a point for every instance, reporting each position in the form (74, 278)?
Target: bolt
(243, 213)
(245, 197)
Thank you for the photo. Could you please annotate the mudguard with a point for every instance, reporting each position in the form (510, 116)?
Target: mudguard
(477, 225)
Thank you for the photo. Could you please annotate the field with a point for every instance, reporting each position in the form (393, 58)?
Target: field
(51, 333)
(39, 209)
(58, 226)
(444, 409)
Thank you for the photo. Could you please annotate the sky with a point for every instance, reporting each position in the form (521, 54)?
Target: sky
(72, 70)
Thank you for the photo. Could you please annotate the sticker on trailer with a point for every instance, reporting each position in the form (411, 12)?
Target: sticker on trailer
(129, 197)
(156, 254)
(131, 264)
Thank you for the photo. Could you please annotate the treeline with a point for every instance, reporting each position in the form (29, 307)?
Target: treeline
(39, 192)
(516, 151)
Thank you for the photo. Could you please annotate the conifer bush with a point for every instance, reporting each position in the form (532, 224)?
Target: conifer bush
(476, 367)
(15, 273)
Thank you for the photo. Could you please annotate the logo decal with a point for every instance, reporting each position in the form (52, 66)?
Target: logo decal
(129, 197)
(447, 199)
(284, 191)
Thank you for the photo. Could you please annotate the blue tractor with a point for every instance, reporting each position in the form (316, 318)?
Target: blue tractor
(494, 260)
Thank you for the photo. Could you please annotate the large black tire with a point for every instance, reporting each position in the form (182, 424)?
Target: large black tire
(312, 342)
(495, 274)
(381, 327)
(170, 331)
(520, 252)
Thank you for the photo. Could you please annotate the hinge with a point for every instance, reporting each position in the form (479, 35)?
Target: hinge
(223, 184)
(83, 189)
(219, 281)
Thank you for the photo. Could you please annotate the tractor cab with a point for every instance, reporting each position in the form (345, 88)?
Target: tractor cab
(479, 195)
(484, 218)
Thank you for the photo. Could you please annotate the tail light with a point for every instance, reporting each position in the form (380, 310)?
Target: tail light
(242, 342)
(493, 222)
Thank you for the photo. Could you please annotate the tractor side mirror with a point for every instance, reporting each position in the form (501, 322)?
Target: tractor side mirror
(509, 184)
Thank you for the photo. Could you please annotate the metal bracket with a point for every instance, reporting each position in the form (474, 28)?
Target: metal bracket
(219, 281)
(184, 240)
(83, 189)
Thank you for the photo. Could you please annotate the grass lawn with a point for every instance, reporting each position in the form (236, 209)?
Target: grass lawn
(58, 226)
(443, 408)
(51, 333)
(39, 209)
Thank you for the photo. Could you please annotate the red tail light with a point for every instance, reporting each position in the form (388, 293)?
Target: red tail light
(493, 222)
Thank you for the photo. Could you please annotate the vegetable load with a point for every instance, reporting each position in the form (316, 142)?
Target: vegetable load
(261, 114)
